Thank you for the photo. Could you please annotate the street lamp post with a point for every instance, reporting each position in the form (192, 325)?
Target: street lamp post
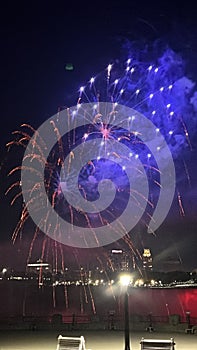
(125, 280)
(126, 316)
(188, 319)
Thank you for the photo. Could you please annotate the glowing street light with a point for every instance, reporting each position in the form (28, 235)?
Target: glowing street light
(125, 280)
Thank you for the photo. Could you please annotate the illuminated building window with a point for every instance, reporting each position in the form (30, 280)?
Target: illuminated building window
(147, 259)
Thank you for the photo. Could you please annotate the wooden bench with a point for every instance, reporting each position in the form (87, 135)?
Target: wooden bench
(194, 329)
(191, 330)
(70, 343)
(157, 344)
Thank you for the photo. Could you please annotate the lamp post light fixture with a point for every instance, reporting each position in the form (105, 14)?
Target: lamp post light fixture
(125, 281)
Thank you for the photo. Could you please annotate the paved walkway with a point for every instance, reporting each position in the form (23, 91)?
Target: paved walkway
(95, 340)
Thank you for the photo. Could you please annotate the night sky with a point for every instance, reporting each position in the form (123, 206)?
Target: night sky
(38, 40)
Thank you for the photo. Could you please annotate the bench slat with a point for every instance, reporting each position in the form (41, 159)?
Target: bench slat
(70, 343)
(157, 344)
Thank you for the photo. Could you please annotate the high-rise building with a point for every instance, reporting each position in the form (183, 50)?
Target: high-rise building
(147, 259)
(119, 260)
(37, 266)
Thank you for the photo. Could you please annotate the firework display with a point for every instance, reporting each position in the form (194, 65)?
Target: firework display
(130, 122)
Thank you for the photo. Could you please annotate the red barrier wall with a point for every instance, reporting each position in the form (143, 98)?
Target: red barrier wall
(20, 299)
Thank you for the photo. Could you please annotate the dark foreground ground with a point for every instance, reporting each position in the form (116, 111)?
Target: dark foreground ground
(95, 340)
